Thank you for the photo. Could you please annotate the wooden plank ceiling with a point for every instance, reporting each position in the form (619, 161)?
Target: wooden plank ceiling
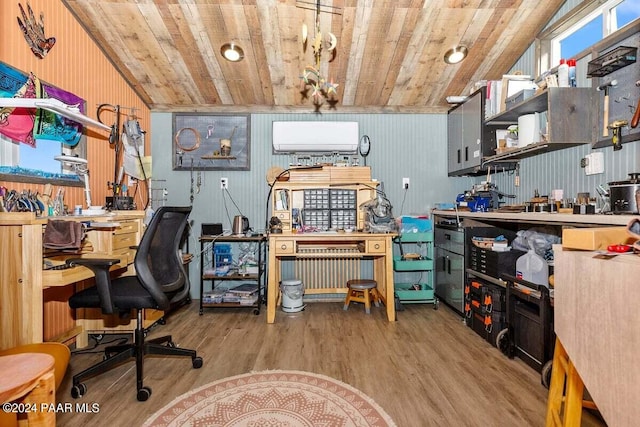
(389, 54)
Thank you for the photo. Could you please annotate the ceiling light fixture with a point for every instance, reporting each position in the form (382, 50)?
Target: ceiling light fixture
(232, 52)
(455, 55)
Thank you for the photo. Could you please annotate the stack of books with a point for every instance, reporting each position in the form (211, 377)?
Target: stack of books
(244, 294)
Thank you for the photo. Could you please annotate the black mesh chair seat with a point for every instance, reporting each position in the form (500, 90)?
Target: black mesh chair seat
(160, 282)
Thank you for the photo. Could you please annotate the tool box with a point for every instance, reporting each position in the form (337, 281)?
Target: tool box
(529, 332)
(485, 308)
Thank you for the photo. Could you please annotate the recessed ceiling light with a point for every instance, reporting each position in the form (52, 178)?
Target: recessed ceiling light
(455, 55)
(232, 52)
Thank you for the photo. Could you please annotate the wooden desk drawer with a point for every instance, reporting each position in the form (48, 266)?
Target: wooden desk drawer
(376, 246)
(127, 254)
(283, 215)
(285, 247)
(126, 227)
(121, 241)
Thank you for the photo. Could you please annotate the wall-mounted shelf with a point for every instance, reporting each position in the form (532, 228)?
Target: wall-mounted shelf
(567, 110)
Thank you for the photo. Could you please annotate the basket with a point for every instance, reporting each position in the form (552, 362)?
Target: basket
(483, 243)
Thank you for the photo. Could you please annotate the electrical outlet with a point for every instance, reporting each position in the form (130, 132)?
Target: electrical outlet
(405, 183)
(594, 163)
(224, 183)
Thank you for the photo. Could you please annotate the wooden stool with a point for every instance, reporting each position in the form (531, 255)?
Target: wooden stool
(563, 372)
(29, 378)
(362, 290)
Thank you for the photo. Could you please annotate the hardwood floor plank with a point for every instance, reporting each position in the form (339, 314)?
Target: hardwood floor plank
(426, 369)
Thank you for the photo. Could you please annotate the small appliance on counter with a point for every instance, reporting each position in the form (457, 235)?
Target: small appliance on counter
(623, 194)
(483, 197)
(240, 225)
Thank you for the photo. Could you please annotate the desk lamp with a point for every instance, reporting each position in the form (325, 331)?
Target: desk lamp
(80, 167)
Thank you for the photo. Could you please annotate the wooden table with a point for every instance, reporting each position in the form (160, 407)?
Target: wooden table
(332, 246)
(596, 319)
(27, 385)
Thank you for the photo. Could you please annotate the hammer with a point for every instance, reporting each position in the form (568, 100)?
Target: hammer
(636, 116)
(605, 119)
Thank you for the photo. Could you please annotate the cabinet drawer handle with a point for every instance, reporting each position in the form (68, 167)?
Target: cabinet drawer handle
(283, 247)
(376, 246)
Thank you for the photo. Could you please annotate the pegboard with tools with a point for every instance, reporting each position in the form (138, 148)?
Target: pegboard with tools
(615, 74)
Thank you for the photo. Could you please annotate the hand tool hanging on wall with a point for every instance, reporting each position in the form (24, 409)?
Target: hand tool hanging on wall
(605, 115)
(616, 127)
(636, 115)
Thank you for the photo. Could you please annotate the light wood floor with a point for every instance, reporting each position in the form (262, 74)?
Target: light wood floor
(426, 369)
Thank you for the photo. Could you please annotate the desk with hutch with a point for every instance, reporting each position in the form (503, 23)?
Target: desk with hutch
(324, 260)
(24, 280)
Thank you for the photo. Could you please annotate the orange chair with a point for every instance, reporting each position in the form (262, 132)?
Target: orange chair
(61, 354)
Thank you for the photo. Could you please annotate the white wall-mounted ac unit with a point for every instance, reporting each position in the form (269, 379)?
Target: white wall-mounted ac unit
(315, 137)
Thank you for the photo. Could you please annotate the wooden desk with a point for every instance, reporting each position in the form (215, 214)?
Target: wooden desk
(596, 319)
(23, 278)
(332, 246)
(28, 386)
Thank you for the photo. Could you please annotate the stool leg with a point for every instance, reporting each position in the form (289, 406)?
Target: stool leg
(367, 301)
(376, 297)
(563, 370)
(347, 300)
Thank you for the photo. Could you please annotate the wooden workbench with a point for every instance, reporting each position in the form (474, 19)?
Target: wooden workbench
(298, 246)
(24, 279)
(597, 320)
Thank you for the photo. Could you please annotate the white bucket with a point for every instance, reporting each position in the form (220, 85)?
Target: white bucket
(292, 293)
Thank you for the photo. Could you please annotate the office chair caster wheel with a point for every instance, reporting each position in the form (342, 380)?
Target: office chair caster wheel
(256, 311)
(436, 304)
(78, 391)
(197, 362)
(143, 394)
(171, 344)
(162, 321)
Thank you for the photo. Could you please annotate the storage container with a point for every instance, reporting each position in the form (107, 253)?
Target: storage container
(533, 268)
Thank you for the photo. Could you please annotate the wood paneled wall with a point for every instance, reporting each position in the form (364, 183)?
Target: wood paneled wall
(76, 64)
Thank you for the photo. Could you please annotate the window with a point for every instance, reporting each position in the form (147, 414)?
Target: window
(29, 143)
(584, 26)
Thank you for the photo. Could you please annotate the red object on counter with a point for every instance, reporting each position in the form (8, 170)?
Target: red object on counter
(619, 248)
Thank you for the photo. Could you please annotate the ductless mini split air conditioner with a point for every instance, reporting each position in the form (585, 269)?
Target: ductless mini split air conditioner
(315, 137)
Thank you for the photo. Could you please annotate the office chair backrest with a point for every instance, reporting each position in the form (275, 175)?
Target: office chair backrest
(158, 261)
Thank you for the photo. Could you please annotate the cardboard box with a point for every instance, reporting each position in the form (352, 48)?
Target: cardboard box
(594, 239)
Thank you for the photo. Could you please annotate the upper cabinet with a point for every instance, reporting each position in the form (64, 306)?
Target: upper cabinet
(569, 117)
(469, 140)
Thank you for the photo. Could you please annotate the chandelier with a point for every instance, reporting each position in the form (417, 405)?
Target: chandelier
(311, 77)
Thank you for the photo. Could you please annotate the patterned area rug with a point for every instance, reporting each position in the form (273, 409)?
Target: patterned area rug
(273, 399)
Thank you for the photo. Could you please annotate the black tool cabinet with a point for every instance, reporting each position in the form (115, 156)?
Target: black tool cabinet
(485, 306)
(208, 243)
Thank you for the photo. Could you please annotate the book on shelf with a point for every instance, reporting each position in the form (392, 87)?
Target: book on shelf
(244, 289)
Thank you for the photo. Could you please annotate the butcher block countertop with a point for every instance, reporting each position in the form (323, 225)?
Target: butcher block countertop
(541, 217)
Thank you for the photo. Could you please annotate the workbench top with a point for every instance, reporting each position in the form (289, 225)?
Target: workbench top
(541, 217)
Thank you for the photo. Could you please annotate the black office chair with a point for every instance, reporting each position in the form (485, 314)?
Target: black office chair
(160, 280)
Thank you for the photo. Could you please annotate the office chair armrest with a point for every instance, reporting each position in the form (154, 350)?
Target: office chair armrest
(100, 268)
(93, 262)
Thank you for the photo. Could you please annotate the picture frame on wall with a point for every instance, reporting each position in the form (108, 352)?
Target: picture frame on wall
(210, 141)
